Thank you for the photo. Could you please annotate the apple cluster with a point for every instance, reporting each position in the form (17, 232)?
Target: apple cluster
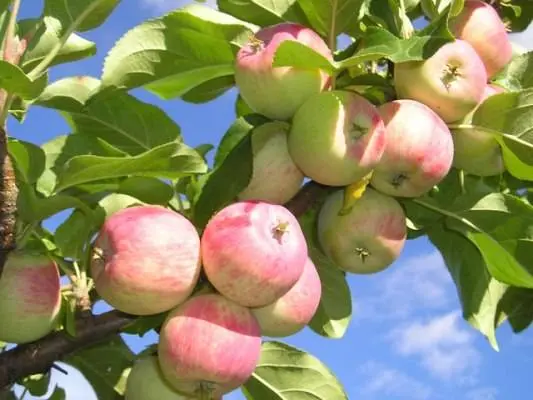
(400, 149)
(148, 260)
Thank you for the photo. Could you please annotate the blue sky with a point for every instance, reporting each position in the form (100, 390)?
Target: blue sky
(407, 339)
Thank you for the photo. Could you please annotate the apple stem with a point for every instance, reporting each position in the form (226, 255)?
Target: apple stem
(280, 229)
(206, 390)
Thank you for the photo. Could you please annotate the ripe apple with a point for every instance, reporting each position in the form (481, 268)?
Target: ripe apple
(209, 346)
(367, 239)
(475, 150)
(253, 252)
(146, 260)
(146, 382)
(277, 92)
(30, 297)
(292, 311)
(480, 25)
(419, 152)
(337, 137)
(275, 179)
(450, 82)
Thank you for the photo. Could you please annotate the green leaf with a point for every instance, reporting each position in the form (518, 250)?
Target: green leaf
(173, 54)
(225, 182)
(296, 54)
(118, 118)
(517, 307)
(72, 235)
(264, 12)
(334, 312)
(517, 14)
(103, 365)
(479, 293)
(14, 80)
(68, 94)
(29, 160)
(500, 226)
(37, 384)
(61, 149)
(34, 208)
(58, 394)
(44, 37)
(148, 190)
(380, 43)
(332, 17)
(518, 74)
(509, 118)
(68, 11)
(287, 373)
(171, 160)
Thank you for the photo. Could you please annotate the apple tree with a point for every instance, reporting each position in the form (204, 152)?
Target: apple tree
(359, 125)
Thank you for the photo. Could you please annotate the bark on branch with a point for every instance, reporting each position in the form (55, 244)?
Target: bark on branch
(8, 202)
(39, 356)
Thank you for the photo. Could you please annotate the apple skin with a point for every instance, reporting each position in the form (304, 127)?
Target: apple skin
(451, 82)
(209, 342)
(276, 178)
(337, 137)
(30, 297)
(277, 92)
(146, 260)
(476, 151)
(293, 311)
(253, 252)
(366, 240)
(480, 25)
(419, 152)
(146, 382)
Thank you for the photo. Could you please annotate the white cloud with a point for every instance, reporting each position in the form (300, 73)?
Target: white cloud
(162, 6)
(443, 347)
(485, 393)
(381, 381)
(419, 283)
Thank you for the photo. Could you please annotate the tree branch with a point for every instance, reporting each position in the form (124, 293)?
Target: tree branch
(37, 357)
(8, 201)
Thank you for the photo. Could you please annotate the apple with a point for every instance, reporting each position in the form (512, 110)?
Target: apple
(480, 25)
(253, 252)
(146, 260)
(30, 297)
(146, 382)
(368, 238)
(209, 346)
(451, 82)
(293, 311)
(337, 137)
(275, 179)
(419, 152)
(277, 92)
(475, 150)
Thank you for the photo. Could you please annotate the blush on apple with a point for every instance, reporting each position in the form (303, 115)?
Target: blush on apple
(277, 92)
(419, 151)
(292, 311)
(209, 346)
(480, 25)
(146, 260)
(451, 82)
(30, 297)
(253, 252)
